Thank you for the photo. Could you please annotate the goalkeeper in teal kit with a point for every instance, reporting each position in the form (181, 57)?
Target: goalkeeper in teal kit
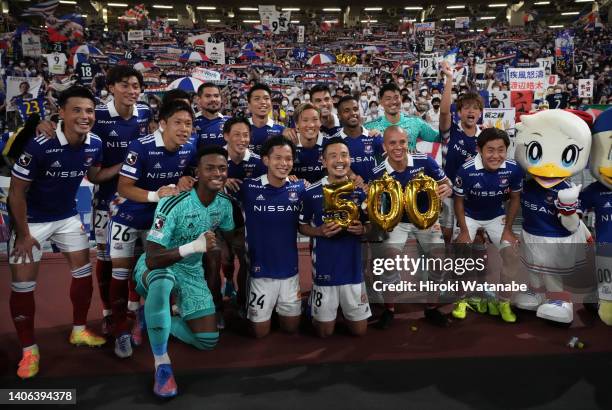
(182, 230)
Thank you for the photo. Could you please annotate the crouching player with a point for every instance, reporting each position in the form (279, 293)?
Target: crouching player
(42, 205)
(482, 186)
(183, 229)
(337, 266)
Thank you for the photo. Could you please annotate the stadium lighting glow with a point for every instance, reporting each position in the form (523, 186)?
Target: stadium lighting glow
(448, 19)
(172, 20)
(290, 9)
(557, 26)
(213, 21)
(248, 9)
(84, 15)
(498, 5)
(541, 3)
(487, 18)
(373, 9)
(332, 9)
(570, 13)
(584, 1)
(161, 6)
(206, 8)
(117, 5)
(369, 21)
(295, 21)
(331, 21)
(250, 21)
(404, 20)
(455, 7)
(413, 8)
(67, 2)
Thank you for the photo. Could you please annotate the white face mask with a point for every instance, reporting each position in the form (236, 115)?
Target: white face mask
(401, 81)
(306, 97)
(364, 98)
(370, 93)
(103, 93)
(284, 103)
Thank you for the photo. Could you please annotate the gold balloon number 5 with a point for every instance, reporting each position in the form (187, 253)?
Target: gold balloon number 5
(338, 209)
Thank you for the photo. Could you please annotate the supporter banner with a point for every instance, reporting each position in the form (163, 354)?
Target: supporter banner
(480, 68)
(135, 35)
(585, 88)
(522, 101)
(564, 51)
(30, 45)
(353, 69)
(27, 108)
(552, 80)
(503, 97)
(462, 22)
(427, 66)
(522, 79)
(425, 29)
(503, 119)
(300, 37)
(216, 52)
(205, 75)
(546, 64)
(24, 87)
(428, 43)
(281, 81)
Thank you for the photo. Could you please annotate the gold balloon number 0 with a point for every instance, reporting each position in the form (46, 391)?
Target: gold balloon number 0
(408, 198)
(338, 209)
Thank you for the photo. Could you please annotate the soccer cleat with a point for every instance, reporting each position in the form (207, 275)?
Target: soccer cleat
(107, 325)
(165, 385)
(479, 304)
(556, 311)
(139, 327)
(86, 337)
(28, 365)
(460, 310)
(528, 301)
(123, 346)
(493, 307)
(506, 311)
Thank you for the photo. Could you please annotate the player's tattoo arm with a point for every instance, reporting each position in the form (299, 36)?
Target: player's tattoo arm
(18, 206)
(97, 175)
(159, 257)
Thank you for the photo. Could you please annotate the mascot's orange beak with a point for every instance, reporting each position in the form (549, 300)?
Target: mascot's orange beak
(606, 172)
(549, 175)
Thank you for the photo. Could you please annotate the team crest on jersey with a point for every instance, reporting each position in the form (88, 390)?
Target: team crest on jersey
(549, 199)
(503, 181)
(293, 196)
(458, 182)
(25, 159)
(461, 142)
(131, 158)
(183, 162)
(88, 161)
(159, 222)
(367, 148)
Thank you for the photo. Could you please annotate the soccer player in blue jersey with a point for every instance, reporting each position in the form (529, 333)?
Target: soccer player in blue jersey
(42, 206)
(482, 187)
(337, 265)
(320, 97)
(271, 205)
(242, 164)
(460, 139)
(151, 170)
(364, 149)
(183, 229)
(262, 126)
(403, 166)
(307, 164)
(209, 121)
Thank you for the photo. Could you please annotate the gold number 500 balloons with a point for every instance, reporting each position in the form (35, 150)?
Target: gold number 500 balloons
(393, 188)
(337, 209)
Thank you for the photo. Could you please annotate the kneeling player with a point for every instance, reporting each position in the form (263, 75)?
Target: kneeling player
(183, 229)
(337, 266)
(482, 186)
(42, 205)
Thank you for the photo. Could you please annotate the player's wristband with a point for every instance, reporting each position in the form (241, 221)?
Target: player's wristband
(152, 196)
(197, 246)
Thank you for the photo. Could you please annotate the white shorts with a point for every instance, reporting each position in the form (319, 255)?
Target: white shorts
(447, 214)
(265, 294)
(407, 231)
(493, 227)
(551, 255)
(123, 241)
(100, 225)
(67, 234)
(603, 271)
(353, 299)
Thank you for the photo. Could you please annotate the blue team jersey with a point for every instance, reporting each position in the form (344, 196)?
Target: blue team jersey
(307, 164)
(416, 163)
(459, 149)
(599, 198)
(152, 166)
(364, 151)
(485, 192)
(116, 134)
(209, 131)
(55, 170)
(271, 220)
(336, 260)
(539, 211)
(251, 166)
(328, 132)
(260, 135)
